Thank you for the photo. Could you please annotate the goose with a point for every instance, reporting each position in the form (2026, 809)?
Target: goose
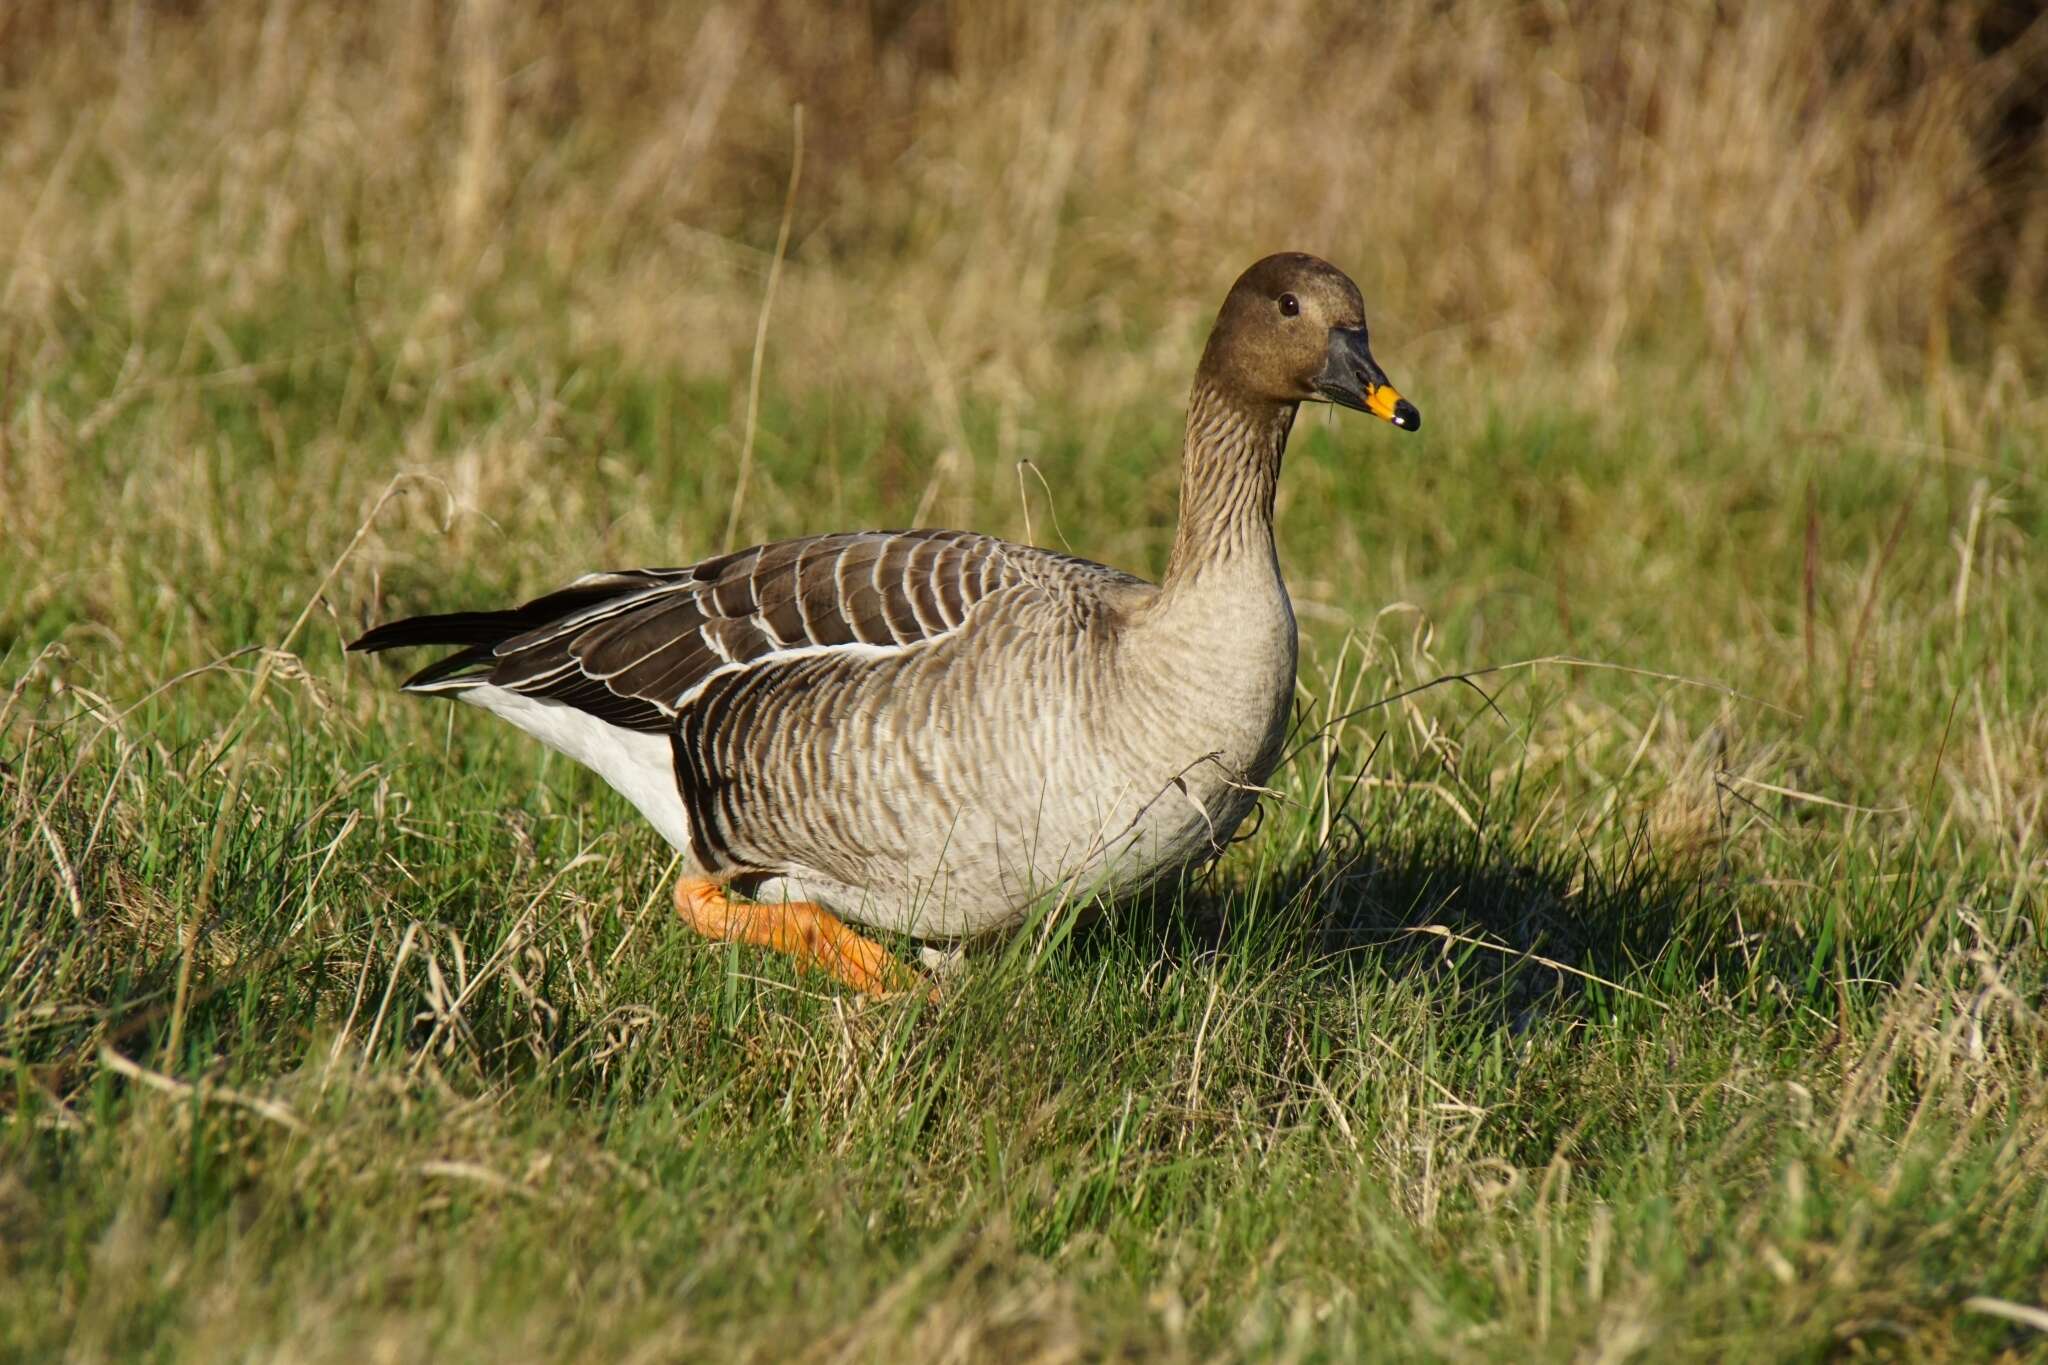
(930, 732)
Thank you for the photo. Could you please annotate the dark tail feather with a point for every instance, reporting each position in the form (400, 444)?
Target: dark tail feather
(455, 628)
(483, 631)
(479, 630)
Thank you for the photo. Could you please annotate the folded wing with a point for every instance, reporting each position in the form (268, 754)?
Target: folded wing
(635, 648)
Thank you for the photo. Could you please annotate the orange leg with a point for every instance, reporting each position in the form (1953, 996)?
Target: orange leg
(805, 930)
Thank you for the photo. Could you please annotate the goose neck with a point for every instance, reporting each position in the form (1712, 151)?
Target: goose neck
(1230, 468)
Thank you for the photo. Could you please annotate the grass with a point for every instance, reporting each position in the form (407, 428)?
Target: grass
(1667, 988)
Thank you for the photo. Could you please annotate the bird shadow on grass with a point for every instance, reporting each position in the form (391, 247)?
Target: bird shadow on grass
(1519, 935)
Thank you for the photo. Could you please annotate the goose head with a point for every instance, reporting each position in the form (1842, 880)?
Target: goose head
(1292, 330)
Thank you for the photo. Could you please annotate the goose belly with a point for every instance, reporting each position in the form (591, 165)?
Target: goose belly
(983, 794)
(1014, 793)
(992, 852)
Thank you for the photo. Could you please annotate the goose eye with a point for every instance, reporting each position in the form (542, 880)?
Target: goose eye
(1289, 305)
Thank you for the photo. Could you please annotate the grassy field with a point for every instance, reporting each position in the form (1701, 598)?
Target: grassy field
(1667, 987)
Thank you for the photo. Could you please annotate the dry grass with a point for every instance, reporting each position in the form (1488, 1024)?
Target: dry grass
(1684, 1007)
(994, 188)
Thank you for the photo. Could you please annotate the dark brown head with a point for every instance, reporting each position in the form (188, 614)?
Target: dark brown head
(1293, 331)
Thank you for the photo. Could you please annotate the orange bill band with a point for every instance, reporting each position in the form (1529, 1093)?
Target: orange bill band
(1382, 401)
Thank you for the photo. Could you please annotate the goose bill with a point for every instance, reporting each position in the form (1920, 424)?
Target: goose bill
(1390, 406)
(1353, 379)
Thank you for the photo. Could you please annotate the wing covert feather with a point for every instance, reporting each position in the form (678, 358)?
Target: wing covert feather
(641, 657)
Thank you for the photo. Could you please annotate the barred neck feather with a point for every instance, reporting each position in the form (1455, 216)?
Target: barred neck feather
(1230, 466)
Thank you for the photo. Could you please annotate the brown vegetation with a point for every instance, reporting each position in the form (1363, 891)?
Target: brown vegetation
(1008, 185)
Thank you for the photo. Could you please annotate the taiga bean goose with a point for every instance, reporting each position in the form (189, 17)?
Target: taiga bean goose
(929, 731)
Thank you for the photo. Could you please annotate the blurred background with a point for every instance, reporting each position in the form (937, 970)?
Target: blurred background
(1051, 197)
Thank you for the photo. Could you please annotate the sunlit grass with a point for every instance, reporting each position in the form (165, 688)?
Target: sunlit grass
(1545, 1018)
